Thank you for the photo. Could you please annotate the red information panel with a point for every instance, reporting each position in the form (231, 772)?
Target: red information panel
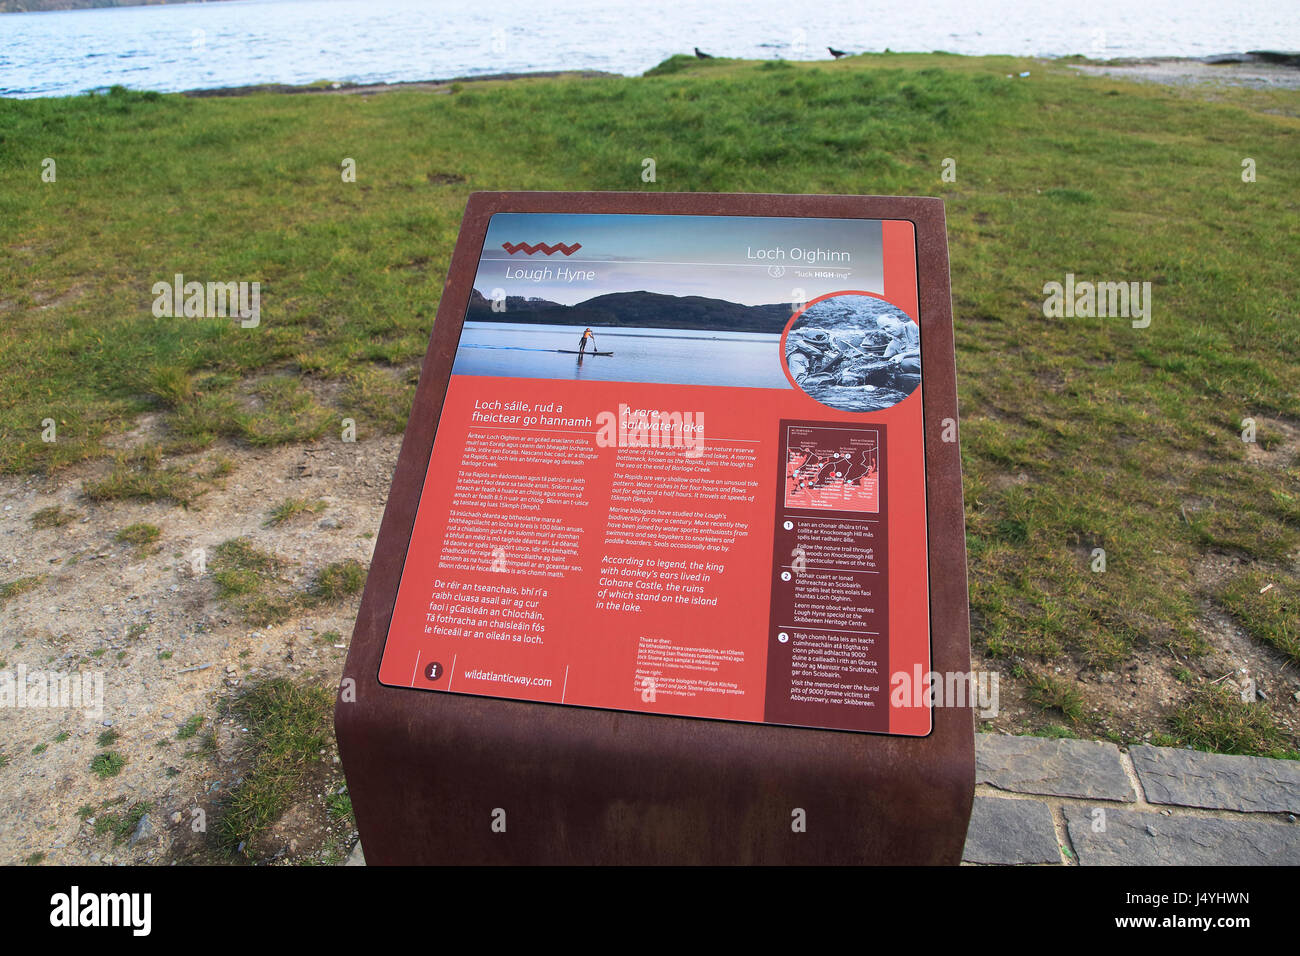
(680, 469)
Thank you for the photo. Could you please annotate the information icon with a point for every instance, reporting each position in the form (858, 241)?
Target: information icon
(433, 671)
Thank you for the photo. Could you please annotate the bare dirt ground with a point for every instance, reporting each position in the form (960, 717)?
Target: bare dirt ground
(169, 650)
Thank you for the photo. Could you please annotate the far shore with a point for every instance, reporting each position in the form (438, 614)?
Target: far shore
(1256, 69)
(366, 89)
(1259, 69)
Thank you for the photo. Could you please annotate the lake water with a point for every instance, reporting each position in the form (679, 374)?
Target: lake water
(238, 42)
(682, 357)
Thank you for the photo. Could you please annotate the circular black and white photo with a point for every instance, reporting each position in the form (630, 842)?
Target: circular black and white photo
(856, 353)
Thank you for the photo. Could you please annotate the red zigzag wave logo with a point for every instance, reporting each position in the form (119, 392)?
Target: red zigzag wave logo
(568, 250)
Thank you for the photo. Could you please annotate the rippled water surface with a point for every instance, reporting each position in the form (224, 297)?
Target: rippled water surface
(238, 42)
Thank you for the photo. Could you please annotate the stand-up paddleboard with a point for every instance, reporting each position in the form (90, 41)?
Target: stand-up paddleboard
(576, 352)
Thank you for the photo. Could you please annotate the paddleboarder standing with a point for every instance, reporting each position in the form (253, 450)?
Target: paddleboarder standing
(582, 342)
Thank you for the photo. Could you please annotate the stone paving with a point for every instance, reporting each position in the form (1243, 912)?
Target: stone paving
(1064, 802)
(1082, 802)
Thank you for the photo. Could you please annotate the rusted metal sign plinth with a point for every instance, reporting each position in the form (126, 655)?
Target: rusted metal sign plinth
(451, 778)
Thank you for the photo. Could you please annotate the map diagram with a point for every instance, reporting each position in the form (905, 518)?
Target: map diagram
(833, 469)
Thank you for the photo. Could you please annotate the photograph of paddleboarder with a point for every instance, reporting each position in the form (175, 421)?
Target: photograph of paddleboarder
(684, 299)
(857, 353)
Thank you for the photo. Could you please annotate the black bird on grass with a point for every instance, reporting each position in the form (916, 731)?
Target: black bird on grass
(702, 55)
(836, 53)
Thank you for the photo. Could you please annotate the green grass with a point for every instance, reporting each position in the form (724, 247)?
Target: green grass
(239, 557)
(107, 764)
(1077, 434)
(1049, 692)
(107, 738)
(207, 746)
(11, 589)
(254, 583)
(292, 508)
(289, 725)
(339, 806)
(53, 517)
(1268, 608)
(141, 475)
(1216, 719)
(1077, 196)
(139, 534)
(190, 728)
(119, 824)
(250, 580)
(339, 580)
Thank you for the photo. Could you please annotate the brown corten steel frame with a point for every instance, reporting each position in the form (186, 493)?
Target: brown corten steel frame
(429, 771)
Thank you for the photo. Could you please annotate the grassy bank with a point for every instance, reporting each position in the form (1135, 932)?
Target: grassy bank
(1078, 433)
